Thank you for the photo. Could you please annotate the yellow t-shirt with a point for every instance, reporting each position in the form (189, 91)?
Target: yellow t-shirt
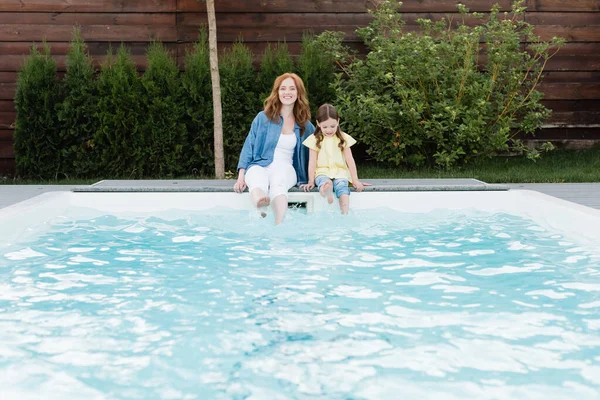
(330, 158)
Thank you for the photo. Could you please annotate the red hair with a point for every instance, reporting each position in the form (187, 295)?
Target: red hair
(301, 107)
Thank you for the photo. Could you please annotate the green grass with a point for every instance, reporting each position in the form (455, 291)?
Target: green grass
(555, 167)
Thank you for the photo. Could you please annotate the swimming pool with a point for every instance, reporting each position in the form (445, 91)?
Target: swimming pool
(446, 295)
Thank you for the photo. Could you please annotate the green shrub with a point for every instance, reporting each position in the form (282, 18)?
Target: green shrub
(197, 103)
(163, 129)
(37, 142)
(424, 99)
(241, 101)
(119, 137)
(76, 112)
(316, 67)
(275, 60)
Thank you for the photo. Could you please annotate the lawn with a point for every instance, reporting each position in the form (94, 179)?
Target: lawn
(555, 167)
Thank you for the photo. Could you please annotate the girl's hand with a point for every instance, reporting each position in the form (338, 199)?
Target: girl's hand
(359, 186)
(240, 185)
(308, 186)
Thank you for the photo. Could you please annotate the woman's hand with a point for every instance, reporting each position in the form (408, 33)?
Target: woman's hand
(240, 185)
(307, 187)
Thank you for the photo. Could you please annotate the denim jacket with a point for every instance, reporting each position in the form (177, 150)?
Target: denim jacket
(259, 147)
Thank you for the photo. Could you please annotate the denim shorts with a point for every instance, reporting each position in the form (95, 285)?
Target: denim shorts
(340, 186)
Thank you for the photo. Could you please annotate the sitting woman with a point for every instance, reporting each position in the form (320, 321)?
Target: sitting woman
(273, 158)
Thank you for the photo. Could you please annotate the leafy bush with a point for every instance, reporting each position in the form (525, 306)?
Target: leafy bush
(429, 98)
(316, 67)
(76, 112)
(241, 101)
(275, 60)
(119, 137)
(37, 142)
(163, 129)
(197, 103)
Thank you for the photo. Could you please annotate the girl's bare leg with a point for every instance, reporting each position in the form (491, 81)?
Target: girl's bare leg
(280, 205)
(327, 191)
(344, 203)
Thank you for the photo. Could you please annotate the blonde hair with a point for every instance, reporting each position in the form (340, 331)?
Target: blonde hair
(301, 107)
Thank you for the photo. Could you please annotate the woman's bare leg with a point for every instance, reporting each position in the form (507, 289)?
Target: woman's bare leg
(260, 200)
(280, 205)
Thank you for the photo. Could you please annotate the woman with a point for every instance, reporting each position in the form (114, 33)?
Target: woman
(273, 158)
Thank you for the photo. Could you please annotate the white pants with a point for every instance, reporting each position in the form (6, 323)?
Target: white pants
(275, 179)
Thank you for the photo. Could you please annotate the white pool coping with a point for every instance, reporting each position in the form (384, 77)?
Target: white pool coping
(30, 217)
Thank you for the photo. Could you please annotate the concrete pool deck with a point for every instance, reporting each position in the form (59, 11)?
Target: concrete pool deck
(587, 194)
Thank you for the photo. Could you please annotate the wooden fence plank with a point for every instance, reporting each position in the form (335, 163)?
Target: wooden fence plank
(574, 63)
(98, 50)
(6, 149)
(7, 166)
(7, 105)
(257, 48)
(275, 26)
(333, 6)
(6, 135)
(570, 90)
(571, 76)
(569, 33)
(574, 118)
(579, 49)
(572, 105)
(7, 119)
(15, 63)
(62, 48)
(290, 33)
(566, 133)
(104, 33)
(8, 77)
(563, 5)
(329, 20)
(269, 27)
(7, 90)
(88, 5)
(563, 18)
(279, 20)
(11, 18)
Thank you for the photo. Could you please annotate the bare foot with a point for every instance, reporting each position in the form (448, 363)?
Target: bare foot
(263, 202)
(326, 191)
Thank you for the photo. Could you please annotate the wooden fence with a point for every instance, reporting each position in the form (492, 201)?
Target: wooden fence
(571, 84)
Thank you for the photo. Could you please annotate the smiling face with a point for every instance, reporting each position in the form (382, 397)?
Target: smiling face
(288, 93)
(329, 126)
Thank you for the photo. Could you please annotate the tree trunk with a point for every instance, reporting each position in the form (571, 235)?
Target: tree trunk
(216, 91)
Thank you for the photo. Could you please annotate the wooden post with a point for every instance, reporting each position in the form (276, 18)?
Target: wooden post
(216, 91)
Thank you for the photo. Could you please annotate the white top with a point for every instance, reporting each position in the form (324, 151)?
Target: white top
(284, 151)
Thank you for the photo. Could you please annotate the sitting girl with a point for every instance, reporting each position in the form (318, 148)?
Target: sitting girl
(330, 164)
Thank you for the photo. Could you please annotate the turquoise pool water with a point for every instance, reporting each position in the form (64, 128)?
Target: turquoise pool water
(378, 305)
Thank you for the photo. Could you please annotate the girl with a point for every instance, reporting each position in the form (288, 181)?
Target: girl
(273, 158)
(330, 163)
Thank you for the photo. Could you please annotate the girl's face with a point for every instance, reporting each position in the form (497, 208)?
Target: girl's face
(288, 92)
(328, 127)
